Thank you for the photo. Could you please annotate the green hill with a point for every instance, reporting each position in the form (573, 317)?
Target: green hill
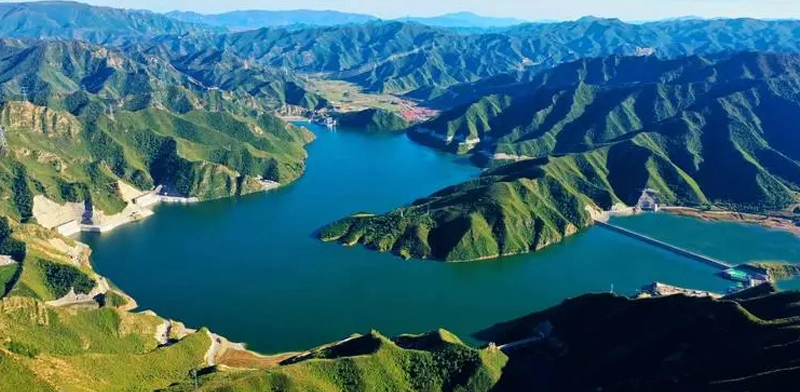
(511, 210)
(79, 117)
(373, 120)
(595, 133)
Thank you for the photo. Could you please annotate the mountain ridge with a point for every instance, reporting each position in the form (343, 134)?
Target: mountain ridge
(699, 132)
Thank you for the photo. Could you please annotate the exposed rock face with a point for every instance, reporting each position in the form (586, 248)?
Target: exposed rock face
(39, 119)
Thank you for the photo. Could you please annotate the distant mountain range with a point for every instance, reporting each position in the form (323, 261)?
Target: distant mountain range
(464, 19)
(255, 19)
(64, 19)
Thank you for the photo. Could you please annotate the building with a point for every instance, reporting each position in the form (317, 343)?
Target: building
(648, 201)
(736, 275)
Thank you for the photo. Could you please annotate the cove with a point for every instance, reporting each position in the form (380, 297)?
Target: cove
(249, 268)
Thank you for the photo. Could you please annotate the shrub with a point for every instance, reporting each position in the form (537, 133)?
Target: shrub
(23, 197)
(22, 349)
(5, 229)
(60, 278)
(114, 300)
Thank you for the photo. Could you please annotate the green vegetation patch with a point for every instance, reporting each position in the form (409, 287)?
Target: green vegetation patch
(374, 121)
(371, 363)
(22, 349)
(8, 245)
(61, 278)
(114, 299)
(8, 275)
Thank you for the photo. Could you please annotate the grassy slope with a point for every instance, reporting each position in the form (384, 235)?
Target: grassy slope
(98, 116)
(102, 349)
(374, 120)
(83, 348)
(437, 361)
(514, 209)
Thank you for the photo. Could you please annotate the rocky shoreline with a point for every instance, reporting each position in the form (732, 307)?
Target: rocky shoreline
(768, 221)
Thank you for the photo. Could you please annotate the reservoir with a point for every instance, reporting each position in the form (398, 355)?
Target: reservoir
(250, 269)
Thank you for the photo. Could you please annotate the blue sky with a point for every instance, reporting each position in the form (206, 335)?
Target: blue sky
(526, 9)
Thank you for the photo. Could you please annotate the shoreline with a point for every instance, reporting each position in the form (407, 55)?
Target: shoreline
(294, 119)
(140, 206)
(763, 220)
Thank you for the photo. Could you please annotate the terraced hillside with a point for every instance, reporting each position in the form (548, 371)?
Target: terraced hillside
(595, 133)
(80, 118)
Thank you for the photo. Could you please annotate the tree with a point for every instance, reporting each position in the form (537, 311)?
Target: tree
(14, 248)
(5, 230)
(23, 197)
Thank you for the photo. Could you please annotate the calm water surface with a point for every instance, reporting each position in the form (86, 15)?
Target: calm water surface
(249, 268)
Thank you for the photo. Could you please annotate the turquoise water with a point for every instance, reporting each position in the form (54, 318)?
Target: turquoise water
(249, 268)
(730, 242)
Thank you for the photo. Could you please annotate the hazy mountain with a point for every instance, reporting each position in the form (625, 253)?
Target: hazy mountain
(255, 19)
(64, 19)
(464, 19)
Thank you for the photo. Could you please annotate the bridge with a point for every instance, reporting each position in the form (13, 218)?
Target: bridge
(665, 246)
